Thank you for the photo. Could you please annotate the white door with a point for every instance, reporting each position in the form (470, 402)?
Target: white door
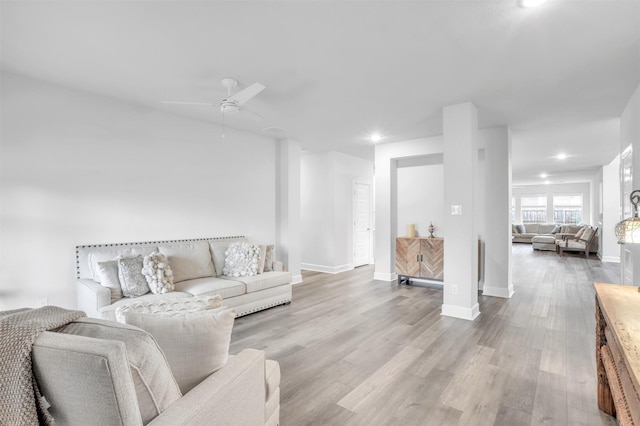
(361, 223)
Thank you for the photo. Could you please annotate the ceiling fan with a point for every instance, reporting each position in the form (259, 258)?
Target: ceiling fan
(232, 103)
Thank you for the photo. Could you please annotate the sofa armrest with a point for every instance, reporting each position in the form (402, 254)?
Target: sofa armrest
(233, 395)
(278, 266)
(91, 297)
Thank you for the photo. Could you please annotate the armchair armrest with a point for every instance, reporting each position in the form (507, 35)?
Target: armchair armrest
(91, 297)
(233, 395)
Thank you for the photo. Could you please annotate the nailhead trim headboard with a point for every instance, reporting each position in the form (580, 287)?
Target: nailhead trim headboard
(87, 247)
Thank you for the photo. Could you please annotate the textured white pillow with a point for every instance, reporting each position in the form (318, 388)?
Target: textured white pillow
(263, 255)
(157, 272)
(268, 259)
(170, 306)
(108, 277)
(131, 279)
(241, 260)
(195, 345)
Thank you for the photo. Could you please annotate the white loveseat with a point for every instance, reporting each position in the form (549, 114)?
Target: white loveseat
(197, 266)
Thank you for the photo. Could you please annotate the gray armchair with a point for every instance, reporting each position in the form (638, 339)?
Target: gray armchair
(103, 372)
(583, 241)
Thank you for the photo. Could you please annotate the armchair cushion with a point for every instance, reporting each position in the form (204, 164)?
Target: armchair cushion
(154, 384)
(196, 344)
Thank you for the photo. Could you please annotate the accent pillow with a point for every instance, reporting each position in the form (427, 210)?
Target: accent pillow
(241, 260)
(107, 273)
(582, 230)
(261, 260)
(131, 279)
(521, 229)
(196, 345)
(556, 229)
(156, 389)
(587, 234)
(269, 259)
(157, 272)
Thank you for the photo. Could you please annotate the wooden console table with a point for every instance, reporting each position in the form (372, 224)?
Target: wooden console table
(618, 351)
(419, 257)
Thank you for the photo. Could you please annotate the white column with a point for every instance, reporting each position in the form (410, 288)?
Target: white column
(385, 217)
(461, 243)
(609, 248)
(288, 154)
(497, 204)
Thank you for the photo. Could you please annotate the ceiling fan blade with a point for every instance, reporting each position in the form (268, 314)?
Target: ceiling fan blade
(252, 113)
(188, 103)
(245, 94)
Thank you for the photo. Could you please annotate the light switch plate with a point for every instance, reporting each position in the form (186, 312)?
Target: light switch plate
(456, 210)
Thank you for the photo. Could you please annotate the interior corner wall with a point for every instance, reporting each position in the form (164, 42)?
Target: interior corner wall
(386, 223)
(77, 169)
(327, 209)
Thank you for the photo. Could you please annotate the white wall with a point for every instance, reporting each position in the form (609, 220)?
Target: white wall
(81, 169)
(421, 198)
(559, 189)
(630, 135)
(609, 248)
(326, 181)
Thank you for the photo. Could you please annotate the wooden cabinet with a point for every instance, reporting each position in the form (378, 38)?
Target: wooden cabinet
(618, 351)
(419, 257)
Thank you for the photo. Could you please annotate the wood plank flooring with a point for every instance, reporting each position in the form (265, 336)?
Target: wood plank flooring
(355, 351)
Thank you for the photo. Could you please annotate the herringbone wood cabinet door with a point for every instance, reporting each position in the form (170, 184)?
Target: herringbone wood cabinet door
(407, 252)
(432, 264)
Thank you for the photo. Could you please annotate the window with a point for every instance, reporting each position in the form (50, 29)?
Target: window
(534, 208)
(567, 209)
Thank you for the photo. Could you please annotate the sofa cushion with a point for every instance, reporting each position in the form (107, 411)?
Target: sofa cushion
(587, 234)
(212, 286)
(155, 386)
(521, 229)
(108, 277)
(263, 281)
(196, 344)
(158, 273)
(531, 228)
(132, 282)
(241, 260)
(189, 260)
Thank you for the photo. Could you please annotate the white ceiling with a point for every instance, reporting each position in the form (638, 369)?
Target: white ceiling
(559, 75)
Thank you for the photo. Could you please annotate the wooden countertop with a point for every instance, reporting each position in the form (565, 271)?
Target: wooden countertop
(620, 305)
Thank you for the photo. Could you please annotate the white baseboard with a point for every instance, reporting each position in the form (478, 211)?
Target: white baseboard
(296, 279)
(460, 312)
(326, 269)
(383, 276)
(613, 259)
(498, 291)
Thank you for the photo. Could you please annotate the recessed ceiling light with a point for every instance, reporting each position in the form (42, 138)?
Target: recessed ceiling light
(561, 156)
(547, 182)
(528, 4)
(375, 137)
(543, 175)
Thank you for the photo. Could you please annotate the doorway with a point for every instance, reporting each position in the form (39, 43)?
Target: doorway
(361, 224)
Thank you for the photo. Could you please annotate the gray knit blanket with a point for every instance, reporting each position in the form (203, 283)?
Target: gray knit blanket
(20, 399)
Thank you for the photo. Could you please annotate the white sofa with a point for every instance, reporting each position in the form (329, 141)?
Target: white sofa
(197, 266)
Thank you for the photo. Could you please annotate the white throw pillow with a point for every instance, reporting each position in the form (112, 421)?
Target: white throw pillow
(108, 277)
(195, 345)
(157, 272)
(269, 259)
(241, 260)
(170, 306)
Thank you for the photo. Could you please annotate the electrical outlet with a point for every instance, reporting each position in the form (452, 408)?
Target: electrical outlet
(454, 289)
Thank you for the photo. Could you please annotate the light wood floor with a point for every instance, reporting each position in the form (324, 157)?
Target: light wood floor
(355, 351)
